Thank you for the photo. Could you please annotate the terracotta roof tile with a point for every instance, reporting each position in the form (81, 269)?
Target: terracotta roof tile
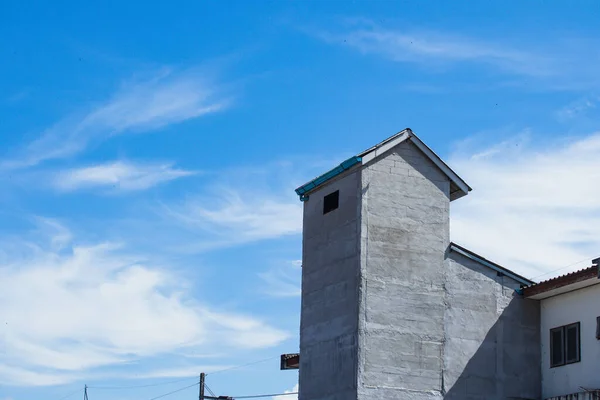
(560, 281)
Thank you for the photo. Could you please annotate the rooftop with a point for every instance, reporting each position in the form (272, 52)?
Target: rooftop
(562, 284)
(490, 264)
(458, 187)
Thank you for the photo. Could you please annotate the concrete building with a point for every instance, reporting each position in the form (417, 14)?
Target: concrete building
(391, 309)
(570, 334)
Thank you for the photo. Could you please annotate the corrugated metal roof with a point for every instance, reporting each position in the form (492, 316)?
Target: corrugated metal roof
(562, 280)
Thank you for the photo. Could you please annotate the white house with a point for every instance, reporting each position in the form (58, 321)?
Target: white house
(570, 334)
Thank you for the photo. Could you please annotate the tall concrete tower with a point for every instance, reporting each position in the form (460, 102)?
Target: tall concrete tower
(375, 242)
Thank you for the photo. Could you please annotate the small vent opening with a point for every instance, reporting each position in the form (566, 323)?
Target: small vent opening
(331, 202)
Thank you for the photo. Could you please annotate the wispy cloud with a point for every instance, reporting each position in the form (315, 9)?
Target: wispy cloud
(178, 372)
(250, 218)
(98, 305)
(283, 281)
(19, 96)
(534, 206)
(232, 215)
(244, 204)
(166, 98)
(16, 376)
(427, 47)
(565, 65)
(578, 108)
(119, 175)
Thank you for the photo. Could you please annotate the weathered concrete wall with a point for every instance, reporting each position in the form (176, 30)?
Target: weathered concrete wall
(387, 313)
(404, 236)
(491, 348)
(330, 268)
(577, 306)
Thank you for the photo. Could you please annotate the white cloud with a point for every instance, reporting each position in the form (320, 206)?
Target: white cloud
(71, 308)
(179, 372)
(533, 209)
(428, 47)
(290, 396)
(577, 108)
(238, 216)
(565, 65)
(19, 96)
(23, 377)
(120, 175)
(284, 280)
(169, 97)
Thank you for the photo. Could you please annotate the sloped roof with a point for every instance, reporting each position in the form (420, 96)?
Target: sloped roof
(458, 187)
(563, 283)
(492, 265)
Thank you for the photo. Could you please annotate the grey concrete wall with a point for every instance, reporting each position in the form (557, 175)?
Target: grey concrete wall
(388, 313)
(404, 237)
(491, 347)
(330, 268)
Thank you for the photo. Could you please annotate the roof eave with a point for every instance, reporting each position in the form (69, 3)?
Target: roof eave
(458, 187)
(308, 187)
(483, 261)
(562, 284)
(457, 193)
(461, 187)
(561, 290)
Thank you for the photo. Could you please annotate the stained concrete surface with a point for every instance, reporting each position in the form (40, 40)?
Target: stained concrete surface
(388, 313)
(492, 335)
(329, 313)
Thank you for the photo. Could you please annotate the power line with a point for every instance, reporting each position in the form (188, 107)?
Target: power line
(192, 385)
(561, 268)
(140, 386)
(243, 365)
(174, 391)
(258, 396)
(210, 391)
(70, 394)
(177, 380)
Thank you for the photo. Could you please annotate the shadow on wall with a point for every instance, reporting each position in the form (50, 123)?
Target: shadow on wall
(501, 362)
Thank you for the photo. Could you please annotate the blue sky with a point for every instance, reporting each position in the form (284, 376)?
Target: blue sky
(149, 228)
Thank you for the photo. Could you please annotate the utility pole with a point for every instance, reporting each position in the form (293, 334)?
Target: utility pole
(201, 395)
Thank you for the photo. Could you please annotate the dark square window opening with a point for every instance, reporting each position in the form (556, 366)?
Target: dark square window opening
(331, 202)
(565, 346)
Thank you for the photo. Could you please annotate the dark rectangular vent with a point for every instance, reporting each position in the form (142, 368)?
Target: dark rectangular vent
(331, 202)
